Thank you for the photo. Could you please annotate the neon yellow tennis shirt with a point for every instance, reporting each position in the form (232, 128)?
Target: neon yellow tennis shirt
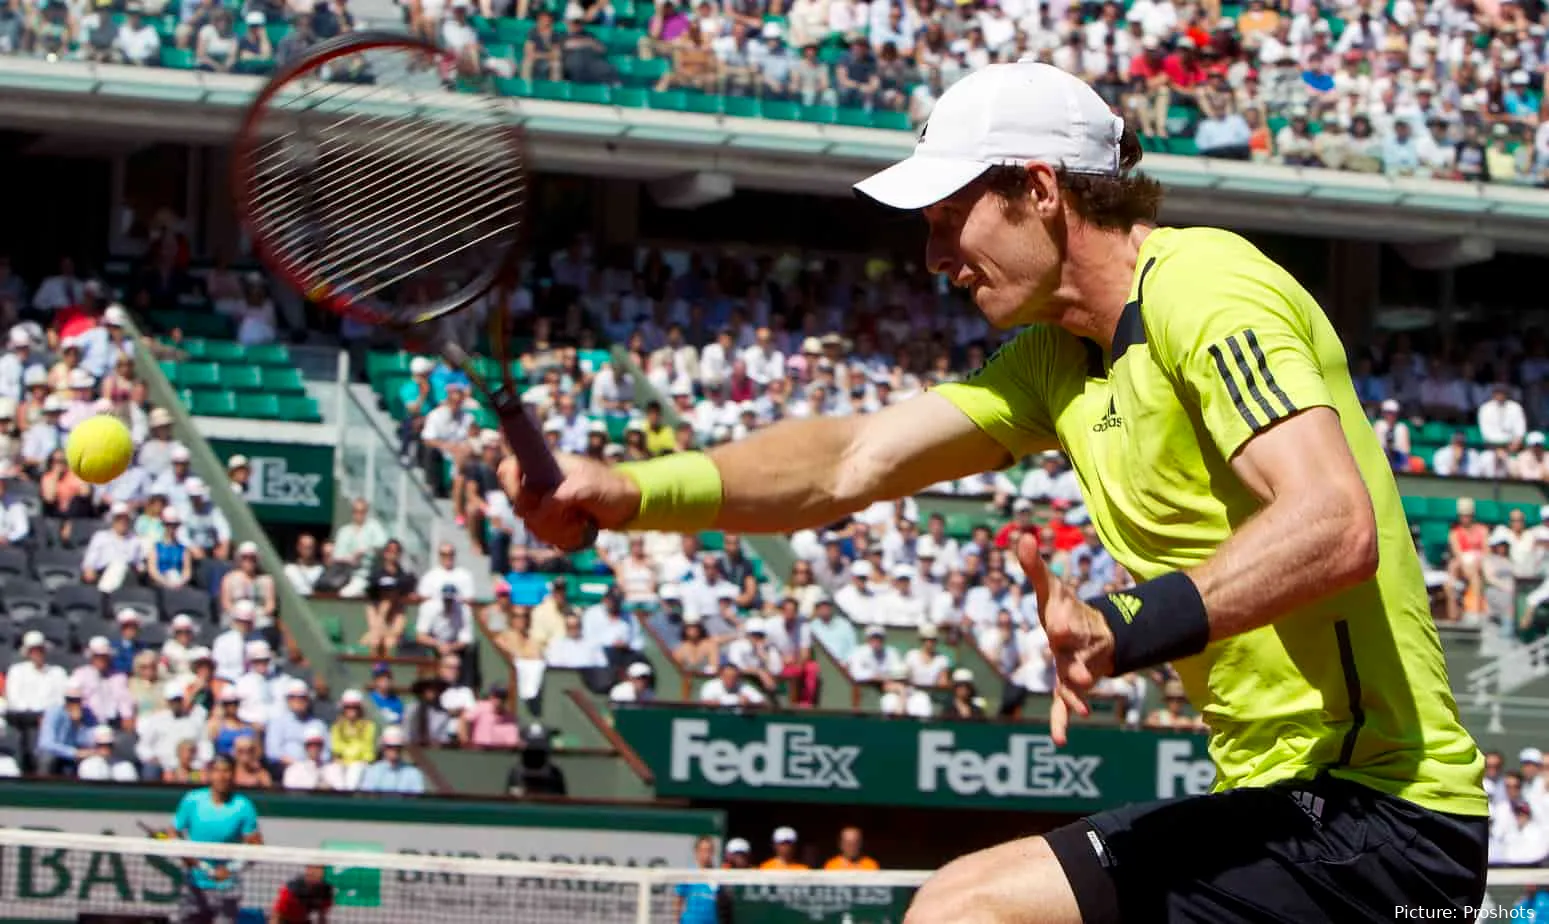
(1216, 343)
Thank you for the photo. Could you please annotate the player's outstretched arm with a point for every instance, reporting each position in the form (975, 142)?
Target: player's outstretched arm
(794, 475)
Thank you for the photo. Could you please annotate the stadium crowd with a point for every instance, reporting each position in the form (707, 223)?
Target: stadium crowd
(1443, 89)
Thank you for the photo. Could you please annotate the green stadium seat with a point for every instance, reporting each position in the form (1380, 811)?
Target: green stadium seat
(512, 30)
(624, 41)
(181, 59)
(1489, 512)
(1473, 437)
(786, 112)
(384, 364)
(260, 406)
(484, 29)
(897, 121)
(255, 66)
(299, 410)
(703, 103)
(551, 89)
(1415, 509)
(960, 525)
(1441, 509)
(214, 404)
(712, 541)
(199, 376)
(625, 11)
(1182, 146)
(268, 354)
(743, 107)
(196, 348)
(173, 371)
(485, 417)
(284, 381)
(591, 93)
(1436, 432)
(629, 97)
(277, 32)
(673, 100)
(505, 51)
(242, 378)
(166, 27)
(825, 115)
(222, 351)
(648, 72)
(830, 54)
(625, 65)
(855, 118)
(512, 86)
(1433, 533)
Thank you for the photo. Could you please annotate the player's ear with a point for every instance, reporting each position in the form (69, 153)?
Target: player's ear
(1043, 190)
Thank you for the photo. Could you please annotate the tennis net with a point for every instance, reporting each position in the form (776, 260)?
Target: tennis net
(101, 879)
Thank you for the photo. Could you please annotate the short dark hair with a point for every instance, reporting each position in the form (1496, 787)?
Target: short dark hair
(1112, 203)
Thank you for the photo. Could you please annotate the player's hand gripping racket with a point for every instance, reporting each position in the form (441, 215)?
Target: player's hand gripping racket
(392, 202)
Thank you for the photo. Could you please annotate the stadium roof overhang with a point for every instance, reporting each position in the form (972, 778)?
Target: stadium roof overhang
(115, 102)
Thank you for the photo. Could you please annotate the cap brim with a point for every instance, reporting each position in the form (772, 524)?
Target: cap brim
(917, 182)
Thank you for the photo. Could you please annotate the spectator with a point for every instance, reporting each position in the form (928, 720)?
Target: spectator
(105, 693)
(536, 773)
(730, 689)
(927, 666)
(636, 687)
(145, 684)
(286, 734)
(248, 770)
(1175, 713)
(966, 703)
(229, 650)
(383, 698)
(314, 770)
(99, 765)
(874, 660)
(572, 651)
(755, 656)
(900, 698)
(305, 898)
(304, 571)
(541, 51)
(262, 688)
(444, 624)
(188, 770)
(428, 724)
(392, 774)
(64, 734)
(32, 687)
(1467, 540)
(490, 724)
(161, 733)
(389, 589)
(176, 651)
(697, 653)
(226, 726)
(1501, 419)
(169, 563)
(851, 857)
(356, 544)
(113, 553)
(245, 582)
(353, 739)
(784, 840)
(205, 530)
(1523, 841)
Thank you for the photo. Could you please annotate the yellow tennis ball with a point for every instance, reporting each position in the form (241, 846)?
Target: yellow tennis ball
(99, 449)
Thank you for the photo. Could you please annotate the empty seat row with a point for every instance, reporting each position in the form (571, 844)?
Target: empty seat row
(237, 377)
(252, 406)
(24, 601)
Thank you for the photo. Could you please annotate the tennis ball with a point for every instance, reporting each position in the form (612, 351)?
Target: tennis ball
(99, 449)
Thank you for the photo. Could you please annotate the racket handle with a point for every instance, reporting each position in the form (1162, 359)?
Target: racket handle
(540, 470)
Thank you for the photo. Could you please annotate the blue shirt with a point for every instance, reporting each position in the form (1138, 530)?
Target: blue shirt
(698, 902)
(286, 737)
(59, 736)
(124, 651)
(384, 777)
(390, 706)
(203, 820)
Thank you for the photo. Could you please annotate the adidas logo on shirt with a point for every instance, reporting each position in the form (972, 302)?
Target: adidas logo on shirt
(1110, 420)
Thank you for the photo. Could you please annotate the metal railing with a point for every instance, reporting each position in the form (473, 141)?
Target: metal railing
(368, 465)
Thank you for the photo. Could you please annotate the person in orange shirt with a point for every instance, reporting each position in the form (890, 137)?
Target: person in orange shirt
(850, 857)
(785, 851)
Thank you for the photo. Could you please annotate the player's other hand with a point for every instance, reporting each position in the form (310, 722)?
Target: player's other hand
(591, 493)
(1079, 638)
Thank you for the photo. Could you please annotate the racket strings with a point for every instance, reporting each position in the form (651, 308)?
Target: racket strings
(383, 191)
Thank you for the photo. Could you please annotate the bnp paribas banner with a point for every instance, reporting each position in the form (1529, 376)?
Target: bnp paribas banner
(873, 760)
(287, 482)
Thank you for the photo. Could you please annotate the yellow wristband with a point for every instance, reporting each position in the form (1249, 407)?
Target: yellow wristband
(679, 493)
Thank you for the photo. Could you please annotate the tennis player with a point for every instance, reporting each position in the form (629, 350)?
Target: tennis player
(1205, 403)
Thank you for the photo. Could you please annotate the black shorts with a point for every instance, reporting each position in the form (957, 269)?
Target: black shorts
(1304, 852)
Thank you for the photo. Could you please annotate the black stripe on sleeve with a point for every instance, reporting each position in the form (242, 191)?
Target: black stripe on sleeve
(1352, 691)
(1231, 386)
(1265, 374)
(1247, 376)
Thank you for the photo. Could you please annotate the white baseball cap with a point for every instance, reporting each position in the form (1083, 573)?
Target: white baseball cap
(182, 621)
(351, 698)
(33, 639)
(738, 845)
(1002, 115)
(785, 834)
(392, 737)
(173, 690)
(639, 669)
(99, 646)
(258, 650)
(102, 734)
(127, 615)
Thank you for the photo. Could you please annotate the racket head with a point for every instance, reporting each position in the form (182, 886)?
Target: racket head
(367, 186)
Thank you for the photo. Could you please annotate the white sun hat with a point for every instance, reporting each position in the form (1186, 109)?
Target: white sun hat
(1000, 115)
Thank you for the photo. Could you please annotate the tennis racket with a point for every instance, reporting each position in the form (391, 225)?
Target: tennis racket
(388, 200)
